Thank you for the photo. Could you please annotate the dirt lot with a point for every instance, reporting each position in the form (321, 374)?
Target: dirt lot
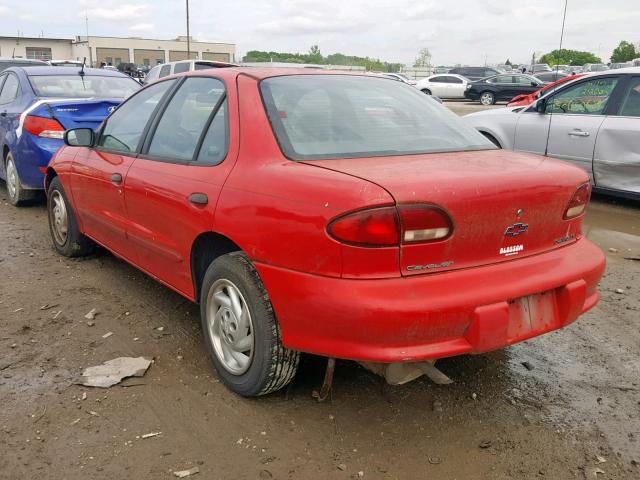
(576, 414)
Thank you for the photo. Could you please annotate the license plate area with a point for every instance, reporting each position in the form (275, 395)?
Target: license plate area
(530, 314)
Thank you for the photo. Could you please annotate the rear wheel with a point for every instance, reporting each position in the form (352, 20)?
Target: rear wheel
(426, 91)
(65, 234)
(16, 193)
(240, 329)
(487, 98)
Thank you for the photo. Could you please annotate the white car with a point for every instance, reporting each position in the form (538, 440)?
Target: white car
(592, 121)
(447, 85)
(181, 66)
(401, 78)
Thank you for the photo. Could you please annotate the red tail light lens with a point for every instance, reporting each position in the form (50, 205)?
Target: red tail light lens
(377, 227)
(43, 127)
(578, 202)
(424, 223)
(390, 226)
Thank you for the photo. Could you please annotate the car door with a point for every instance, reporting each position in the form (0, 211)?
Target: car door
(3, 118)
(10, 109)
(576, 115)
(173, 186)
(438, 86)
(456, 87)
(98, 175)
(616, 159)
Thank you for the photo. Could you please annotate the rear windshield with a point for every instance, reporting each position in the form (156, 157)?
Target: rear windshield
(339, 116)
(87, 86)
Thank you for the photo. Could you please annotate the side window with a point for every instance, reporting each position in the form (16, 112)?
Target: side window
(214, 145)
(631, 102)
(586, 98)
(180, 128)
(439, 80)
(123, 130)
(9, 89)
(164, 71)
(522, 80)
(181, 67)
(454, 80)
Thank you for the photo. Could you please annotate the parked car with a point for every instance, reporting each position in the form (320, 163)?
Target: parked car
(575, 69)
(444, 86)
(324, 212)
(615, 66)
(475, 73)
(401, 78)
(594, 67)
(166, 69)
(550, 77)
(501, 88)
(441, 69)
(524, 100)
(66, 63)
(538, 68)
(37, 104)
(505, 68)
(593, 122)
(19, 62)
(562, 68)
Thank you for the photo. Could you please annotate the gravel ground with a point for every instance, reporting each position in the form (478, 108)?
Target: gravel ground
(572, 410)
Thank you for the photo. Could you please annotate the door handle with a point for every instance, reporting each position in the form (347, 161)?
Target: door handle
(116, 178)
(198, 198)
(578, 133)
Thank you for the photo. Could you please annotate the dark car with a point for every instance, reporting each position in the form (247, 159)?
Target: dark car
(20, 62)
(475, 73)
(501, 88)
(550, 77)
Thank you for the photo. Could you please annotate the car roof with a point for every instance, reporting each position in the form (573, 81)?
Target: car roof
(628, 70)
(260, 73)
(48, 71)
(22, 60)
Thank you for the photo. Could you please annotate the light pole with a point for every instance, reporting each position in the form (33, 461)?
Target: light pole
(188, 37)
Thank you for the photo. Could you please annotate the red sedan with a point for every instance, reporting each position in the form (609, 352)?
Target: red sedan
(344, 215)
(524, 100)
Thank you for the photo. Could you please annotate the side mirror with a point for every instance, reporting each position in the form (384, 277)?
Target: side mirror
(79, 137)
(541, 105)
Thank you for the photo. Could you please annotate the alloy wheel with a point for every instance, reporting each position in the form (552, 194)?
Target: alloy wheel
(230, 326)
(12, 179)
(486, 99)
(58, 217)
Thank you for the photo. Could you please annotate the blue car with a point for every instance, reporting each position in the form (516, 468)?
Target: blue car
(37, 104)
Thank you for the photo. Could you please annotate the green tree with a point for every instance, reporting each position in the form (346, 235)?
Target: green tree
(423, 59)
(568, 57)
(624, 52)
(315, 56)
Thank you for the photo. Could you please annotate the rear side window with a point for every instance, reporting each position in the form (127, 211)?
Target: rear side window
(185, 118)
(123, 130)
(164, 71)
(631, 102)
(181, 67)
(454, 80)
(340, 116)
(439, 80)
(203, 66)
(9, 89)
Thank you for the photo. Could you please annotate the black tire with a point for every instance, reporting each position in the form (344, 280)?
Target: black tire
(492, 139)
(272, 365)
(75, 244)
(490, 96)
(426, 91)
(17, 195)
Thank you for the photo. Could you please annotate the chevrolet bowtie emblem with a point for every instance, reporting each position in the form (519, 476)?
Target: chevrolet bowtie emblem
(516, 229)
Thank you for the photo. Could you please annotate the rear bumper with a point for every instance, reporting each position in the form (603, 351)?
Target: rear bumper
(32, 155)
(436, 315)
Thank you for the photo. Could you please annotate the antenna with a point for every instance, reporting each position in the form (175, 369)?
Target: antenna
(81, 72)
(564, 17)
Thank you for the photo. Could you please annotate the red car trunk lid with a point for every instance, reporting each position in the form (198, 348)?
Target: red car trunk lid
(504, 205)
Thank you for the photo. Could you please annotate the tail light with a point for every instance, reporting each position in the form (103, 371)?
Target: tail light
(43, 127)
(578, 202)
(390, 226)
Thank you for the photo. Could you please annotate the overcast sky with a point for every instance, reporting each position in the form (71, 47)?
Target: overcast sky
(459, 31)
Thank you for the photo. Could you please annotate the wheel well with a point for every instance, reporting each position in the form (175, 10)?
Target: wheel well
(5, 152)
(206, 248)
(50, 175)
(426, 90)
(492, 139)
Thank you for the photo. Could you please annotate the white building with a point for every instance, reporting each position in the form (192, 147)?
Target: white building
(115, 50)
